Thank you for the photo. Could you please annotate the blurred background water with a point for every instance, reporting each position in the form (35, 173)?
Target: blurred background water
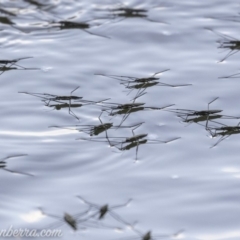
(186, 184)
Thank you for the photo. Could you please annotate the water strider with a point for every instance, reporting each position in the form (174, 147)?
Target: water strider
(100, 211)
(227, 42)
(60, 101)
(94, 130)
(235, 75)
(142, 83)
(224, 131)
(200, 115)
(126, 109)
(51, 97)
(127, 143)
(136, 141)
(70, 220)
(128, 80)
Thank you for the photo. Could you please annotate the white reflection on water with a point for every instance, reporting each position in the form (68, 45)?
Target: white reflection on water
(52, 133)
(33, 216)
(235, 172)
(222, 236)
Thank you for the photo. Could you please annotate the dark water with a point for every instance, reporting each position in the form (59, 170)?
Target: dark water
(189, 184)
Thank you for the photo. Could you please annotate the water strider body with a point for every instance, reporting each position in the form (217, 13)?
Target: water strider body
(69, 25)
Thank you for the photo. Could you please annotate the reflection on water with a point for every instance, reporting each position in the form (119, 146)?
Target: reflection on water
(3, 165)
(84, 26)
(123, 12)
(3, 11)
(138, 79)
(5, 20)
(71, 220)
(6, 65)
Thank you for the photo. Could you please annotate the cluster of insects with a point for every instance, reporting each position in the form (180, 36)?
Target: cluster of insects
(113, 109)
(102, 132)
(94, 217)
(209, 116)
(50, 21)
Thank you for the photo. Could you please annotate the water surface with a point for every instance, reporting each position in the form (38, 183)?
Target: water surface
(184, 184)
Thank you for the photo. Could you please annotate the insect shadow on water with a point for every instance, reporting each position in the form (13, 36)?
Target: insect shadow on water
(38, 4)
(228, 42)
(236, 75)
(6, 12)
(142, 83)
(7, 21)
(84, 26)
(100, 211)
(3, 165)
(228, 18)
(200, 116)
(70, 220)
(224, 131)
(149, 236)
(127, 143)
(123, 12)
(60, 104)
(94, 130)
(7, 65)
